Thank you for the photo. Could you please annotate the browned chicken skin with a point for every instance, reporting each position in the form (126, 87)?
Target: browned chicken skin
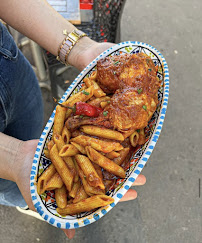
(130, 110)
(136, 70)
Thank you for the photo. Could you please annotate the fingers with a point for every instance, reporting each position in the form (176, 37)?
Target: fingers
(130, 195)
(141, 180)
(69, 233)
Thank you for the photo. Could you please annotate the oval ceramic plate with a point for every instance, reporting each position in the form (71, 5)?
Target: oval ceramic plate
(45, 203)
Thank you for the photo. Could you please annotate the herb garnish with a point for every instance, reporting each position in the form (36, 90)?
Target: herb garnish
(105, 113)
(85, 92)
(149, 69)
(139, 91)
(116, 62)
(144, 107)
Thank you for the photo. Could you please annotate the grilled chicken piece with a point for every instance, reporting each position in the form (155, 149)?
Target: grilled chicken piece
(136, 70)
(130, 110)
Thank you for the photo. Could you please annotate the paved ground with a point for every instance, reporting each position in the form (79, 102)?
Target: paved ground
(168, 209)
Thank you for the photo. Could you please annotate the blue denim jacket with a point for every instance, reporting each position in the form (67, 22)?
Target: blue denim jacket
(8, 47)
(8, 54)
(21, 109)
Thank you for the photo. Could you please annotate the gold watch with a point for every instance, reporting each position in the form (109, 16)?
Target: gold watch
(68, 43)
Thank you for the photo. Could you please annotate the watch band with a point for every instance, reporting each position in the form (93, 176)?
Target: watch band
(67, 44)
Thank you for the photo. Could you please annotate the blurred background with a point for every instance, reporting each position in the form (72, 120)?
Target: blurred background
(169, 206)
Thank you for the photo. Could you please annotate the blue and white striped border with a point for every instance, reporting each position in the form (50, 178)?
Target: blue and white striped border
(76, 223)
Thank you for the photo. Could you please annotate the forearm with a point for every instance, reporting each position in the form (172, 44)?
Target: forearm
(37, 20)
(9, 148)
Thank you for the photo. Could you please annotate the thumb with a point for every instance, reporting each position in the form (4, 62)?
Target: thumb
(69, 233)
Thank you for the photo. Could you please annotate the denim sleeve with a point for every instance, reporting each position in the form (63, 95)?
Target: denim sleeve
(8, 48)
(9, 51)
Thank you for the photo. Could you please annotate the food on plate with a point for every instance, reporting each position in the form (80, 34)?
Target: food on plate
(96, 130)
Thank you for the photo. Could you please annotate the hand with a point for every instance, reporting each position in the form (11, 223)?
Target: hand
(85, 51)
(24, 160)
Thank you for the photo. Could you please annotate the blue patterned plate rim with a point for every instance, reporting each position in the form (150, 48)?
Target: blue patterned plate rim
(94, 216)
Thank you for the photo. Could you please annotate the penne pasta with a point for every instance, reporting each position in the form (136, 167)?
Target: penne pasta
(58, 140)
(97, 91)
(142, 138)
(112, 155)
(66, 135)
(93, 75)
(75, 188)
(97, 144)
(134, 137)
(68, 113)
(89, 171)
(83, 95)
(102, 132)
(61, 168)
(68, 160)
(81, 194)
(123, 154)
(44, 178)
(98, 170)
(70, 164)
(79, 147)
(54, 182)
(87, 82)
(86, 205)
(90, 190)
(61, 197)
(104, 162)
(97, 101)
(68, 150)
(59, 119)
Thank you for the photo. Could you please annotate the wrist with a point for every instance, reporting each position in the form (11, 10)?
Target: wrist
(24, 158)
(9, 150)
(78, 55)
(72, 47)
